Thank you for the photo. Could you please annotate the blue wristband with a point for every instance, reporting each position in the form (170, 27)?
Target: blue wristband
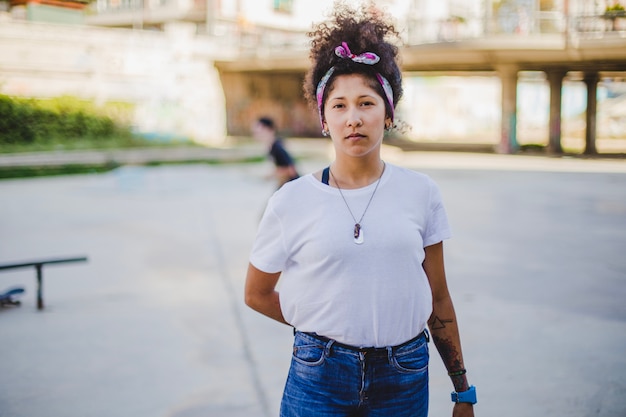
(468, 396)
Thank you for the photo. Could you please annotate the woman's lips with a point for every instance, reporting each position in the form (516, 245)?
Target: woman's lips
(355, 136)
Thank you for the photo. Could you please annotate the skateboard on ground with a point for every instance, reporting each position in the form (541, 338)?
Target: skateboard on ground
(9, 297)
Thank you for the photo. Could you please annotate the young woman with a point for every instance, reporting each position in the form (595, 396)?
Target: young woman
(358, 247)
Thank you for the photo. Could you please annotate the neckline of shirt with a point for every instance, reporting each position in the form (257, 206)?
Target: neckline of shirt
(368, 188)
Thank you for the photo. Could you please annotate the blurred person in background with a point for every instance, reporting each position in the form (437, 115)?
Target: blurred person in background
(264, 130)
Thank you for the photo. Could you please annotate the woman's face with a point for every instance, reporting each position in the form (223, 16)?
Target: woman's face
(354, 114)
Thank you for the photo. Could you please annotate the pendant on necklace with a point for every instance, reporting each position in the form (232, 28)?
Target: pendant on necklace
(358, 234)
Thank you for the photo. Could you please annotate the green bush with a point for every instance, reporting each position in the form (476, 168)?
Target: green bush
(12, 130)
(615, 8)
(61, 120)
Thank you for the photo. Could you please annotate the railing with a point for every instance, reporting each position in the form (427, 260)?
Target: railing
(420, 31)
(260, 41)
(118, 5)
(597, 26)
(253, 38)
(38, 265)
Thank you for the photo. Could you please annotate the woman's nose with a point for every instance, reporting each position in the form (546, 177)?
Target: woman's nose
(354, 119)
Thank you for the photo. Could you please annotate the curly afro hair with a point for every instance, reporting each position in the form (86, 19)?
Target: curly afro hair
(365, 29)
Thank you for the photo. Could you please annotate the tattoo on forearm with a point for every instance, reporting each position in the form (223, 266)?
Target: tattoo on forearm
(436, 323)
(460, 383)
(449, 354)
(448, 351)
(452, 361)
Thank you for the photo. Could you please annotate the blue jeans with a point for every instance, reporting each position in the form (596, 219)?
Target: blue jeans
(328, 379)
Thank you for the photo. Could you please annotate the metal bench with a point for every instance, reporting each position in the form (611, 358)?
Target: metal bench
(39, 267)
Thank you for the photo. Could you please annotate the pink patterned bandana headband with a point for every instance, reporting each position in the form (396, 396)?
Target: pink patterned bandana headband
(368, 58)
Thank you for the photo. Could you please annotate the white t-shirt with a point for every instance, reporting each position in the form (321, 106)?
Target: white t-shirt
(372, 294)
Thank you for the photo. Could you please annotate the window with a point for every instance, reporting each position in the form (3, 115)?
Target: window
(284, 6)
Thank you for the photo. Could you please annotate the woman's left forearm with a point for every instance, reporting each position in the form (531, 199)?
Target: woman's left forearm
(445, 334)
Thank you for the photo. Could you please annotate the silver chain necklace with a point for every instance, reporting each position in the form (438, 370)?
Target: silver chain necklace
(358, 230)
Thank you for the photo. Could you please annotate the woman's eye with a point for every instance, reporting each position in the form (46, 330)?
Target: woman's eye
(367, 103)
(337, 106)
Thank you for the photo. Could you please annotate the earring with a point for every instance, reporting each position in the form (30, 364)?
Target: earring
(325, 132)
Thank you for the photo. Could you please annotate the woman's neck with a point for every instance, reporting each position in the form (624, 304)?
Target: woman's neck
(356, 173)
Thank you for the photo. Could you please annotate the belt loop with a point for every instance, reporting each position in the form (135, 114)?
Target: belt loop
(427, 335)
(389, 353)
(328, 346)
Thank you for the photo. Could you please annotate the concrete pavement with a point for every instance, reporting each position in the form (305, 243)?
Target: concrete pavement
(154, 324)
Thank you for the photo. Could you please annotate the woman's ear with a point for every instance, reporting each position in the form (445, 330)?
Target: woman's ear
(325, 130)
(388, 123)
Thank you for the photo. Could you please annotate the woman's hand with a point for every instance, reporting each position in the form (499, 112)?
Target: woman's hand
(463, 410)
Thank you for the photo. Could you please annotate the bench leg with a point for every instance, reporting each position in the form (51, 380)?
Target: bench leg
(39, 287)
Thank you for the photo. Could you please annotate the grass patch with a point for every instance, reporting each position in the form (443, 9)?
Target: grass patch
(83, 144)
(247, 160)
(46, 171)
(75, 169)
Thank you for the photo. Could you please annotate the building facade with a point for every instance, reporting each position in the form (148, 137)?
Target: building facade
(163, 57)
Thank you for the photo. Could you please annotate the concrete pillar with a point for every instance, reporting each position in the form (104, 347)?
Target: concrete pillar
(555, 78)
(508, 135)
(591, 79)
(211, 16)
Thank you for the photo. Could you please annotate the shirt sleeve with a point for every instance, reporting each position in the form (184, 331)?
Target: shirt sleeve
(437, 226)
(268, 251)
(280, 155)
